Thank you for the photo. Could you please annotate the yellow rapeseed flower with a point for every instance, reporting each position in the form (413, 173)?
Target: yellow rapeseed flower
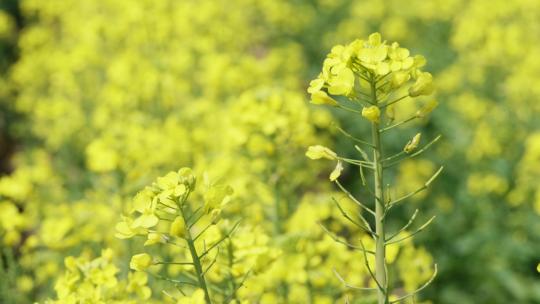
(154, 238)
(140, 262)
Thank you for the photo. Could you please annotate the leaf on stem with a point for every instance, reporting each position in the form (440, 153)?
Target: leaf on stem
(340, 278)
(419, 289)
(366, 225)
(412, 234)
(338, 240)
(424, 187)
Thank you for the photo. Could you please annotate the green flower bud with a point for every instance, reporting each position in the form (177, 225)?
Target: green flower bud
(412, 144)
(187, 177)
(215, 216)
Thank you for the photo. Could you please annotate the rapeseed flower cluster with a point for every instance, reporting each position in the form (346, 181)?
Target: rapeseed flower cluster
(370, 74)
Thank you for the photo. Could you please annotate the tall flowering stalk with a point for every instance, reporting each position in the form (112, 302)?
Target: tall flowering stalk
(375, 76)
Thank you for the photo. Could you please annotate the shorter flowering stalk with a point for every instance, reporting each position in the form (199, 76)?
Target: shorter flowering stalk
(165, 204)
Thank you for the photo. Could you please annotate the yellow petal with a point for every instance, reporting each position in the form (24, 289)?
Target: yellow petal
(146, 220)
(154, 238)
(168, 181)
(315, 85)
(180, 190)
(140, 262)
(123, 231)
(375, 39)
(342, 83)
(178, 227)
(337, 171)
(321, 98)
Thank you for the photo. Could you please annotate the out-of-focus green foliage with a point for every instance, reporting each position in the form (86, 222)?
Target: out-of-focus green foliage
(110, 94)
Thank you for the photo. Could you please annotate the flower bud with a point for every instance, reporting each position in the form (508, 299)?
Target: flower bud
(187, 177)
(318, 152)
(371, 113)
(422, 86)
(337, 171)
(399, 78)
(412, 144)
(215, 216)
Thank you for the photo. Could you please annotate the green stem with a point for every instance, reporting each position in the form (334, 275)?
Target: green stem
(198, 269)
(380, 246)
(311, 296)
(283, 289)
(197, 263)
(231, 264)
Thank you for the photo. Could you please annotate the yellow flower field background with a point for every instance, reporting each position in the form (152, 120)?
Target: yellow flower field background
(121, 119)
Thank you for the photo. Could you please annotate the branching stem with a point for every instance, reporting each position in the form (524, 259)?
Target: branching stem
(394, 101)
(398, 124)
(353, 138)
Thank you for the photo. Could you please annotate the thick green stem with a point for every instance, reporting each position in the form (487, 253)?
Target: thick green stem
(198, 269)
(380, 247)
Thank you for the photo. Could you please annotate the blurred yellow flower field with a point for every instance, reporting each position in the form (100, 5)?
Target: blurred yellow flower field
(269, 151)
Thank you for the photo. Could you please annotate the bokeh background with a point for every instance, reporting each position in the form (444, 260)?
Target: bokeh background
(98, 98)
